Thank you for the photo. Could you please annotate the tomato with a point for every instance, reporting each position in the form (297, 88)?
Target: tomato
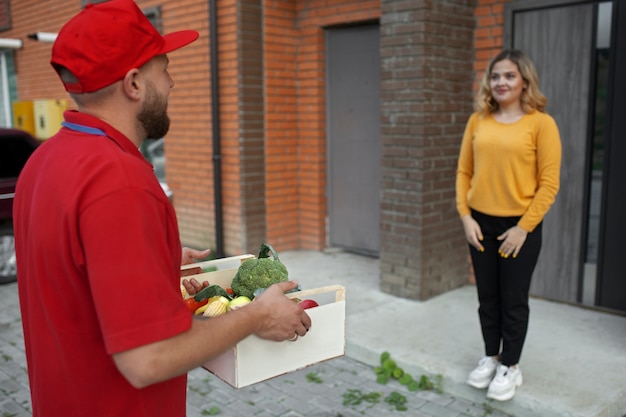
(308, 304)
(193, 305)
(230, 291)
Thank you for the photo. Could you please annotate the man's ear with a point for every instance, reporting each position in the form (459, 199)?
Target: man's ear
(132, 84)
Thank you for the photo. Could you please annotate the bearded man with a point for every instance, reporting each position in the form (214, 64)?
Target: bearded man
(98, 250)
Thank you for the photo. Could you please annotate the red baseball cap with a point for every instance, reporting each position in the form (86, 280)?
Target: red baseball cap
(104, 41)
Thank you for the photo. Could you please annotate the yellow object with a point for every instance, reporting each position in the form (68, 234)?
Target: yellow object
(48, 117)
(201, 310)
(24, 116)
(216, 308)
(238, 302)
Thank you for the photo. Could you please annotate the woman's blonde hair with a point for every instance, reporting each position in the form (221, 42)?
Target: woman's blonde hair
(531, 98)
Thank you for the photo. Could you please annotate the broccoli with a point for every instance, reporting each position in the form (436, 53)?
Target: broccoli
(259, 273)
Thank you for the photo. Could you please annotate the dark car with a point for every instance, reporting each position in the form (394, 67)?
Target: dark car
(16, 146)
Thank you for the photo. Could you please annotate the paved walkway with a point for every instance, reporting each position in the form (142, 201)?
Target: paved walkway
(574, 360)
(316, 391)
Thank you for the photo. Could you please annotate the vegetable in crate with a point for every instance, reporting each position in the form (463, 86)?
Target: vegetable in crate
(216, 307)
(305, 304)
(260, 273)
(211, 291)
(193, 305)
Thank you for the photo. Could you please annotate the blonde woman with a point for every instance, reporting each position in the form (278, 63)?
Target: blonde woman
(507, 179)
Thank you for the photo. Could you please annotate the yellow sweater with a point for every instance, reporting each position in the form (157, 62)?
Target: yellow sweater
(508, 170)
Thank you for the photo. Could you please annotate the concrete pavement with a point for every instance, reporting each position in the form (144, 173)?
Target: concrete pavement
(316, 391)
(574, 361)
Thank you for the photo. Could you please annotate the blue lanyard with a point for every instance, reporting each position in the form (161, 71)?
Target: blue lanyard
(84, 129)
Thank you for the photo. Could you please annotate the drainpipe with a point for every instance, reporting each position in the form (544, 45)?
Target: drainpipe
(217, 156)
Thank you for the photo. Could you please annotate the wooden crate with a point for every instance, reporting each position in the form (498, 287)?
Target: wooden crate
(254, 359)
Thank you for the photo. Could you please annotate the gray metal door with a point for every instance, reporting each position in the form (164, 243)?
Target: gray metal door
(353, 137)
(559, 41)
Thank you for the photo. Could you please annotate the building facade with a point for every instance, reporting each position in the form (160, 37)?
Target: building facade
(312, 124)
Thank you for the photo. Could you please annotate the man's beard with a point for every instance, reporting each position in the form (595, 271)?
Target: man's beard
(153, 115)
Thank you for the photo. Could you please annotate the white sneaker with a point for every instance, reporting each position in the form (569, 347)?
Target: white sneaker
(502, 388)
(482, 375)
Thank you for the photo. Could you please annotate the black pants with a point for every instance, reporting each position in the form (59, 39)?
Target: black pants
(503, 286)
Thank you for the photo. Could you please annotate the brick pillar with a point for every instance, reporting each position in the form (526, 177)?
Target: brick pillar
(240, 55)
(251, 124)
(426, 98)
(488, 37)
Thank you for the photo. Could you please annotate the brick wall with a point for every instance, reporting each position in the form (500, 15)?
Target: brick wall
(295, 129)
(272, 116)
(272, 136)
(282, 141)
(489, 34)
(274, 188)
(427, 55)
(252, 164)
(36, 78)
(188, 145)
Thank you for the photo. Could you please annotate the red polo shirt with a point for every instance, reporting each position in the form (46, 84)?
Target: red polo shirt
(98, 255)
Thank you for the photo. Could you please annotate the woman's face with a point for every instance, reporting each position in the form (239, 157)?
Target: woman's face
(506, 83)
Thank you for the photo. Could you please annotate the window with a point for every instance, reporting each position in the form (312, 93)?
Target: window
(152, 13)
(8, 87)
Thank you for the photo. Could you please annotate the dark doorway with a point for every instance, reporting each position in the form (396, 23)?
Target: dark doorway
(611, 288)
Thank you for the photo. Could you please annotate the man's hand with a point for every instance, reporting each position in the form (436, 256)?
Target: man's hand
(280, 318)
(270, 316)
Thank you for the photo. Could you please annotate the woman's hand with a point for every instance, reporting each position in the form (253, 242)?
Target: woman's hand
(473, 234)
(512, 241)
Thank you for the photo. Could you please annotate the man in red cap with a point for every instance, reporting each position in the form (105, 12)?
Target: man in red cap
(98, 249)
